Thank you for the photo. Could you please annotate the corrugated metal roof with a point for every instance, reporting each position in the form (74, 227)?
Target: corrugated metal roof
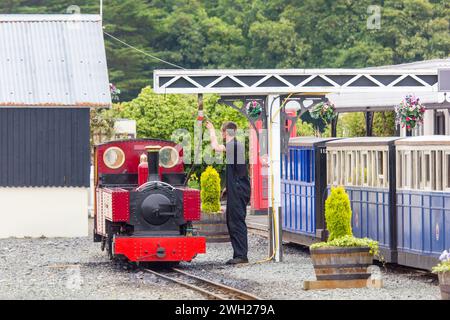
(53, 60)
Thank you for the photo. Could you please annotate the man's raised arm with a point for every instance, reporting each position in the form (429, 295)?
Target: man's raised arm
(214, 143)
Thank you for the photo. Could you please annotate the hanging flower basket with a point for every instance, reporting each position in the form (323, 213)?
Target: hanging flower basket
(409, 113)
(323, 110)
(114, 92)
(254, 109)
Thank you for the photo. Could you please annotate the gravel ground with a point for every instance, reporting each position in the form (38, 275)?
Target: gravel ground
(285, 280)
(75, 268)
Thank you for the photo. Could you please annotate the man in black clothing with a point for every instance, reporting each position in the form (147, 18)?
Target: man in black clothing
(237, 187)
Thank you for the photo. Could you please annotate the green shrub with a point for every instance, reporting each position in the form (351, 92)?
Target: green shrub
(444, 266)
(210, 190)
(350, 241)
(338, 214)
(193, 182)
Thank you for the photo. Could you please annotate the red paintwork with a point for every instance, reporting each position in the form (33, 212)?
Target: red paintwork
(138, 249)
(133, 150)
(258, 173)
(120, 205)
(191, 204)
(259, 170)
(114, 204)
(142, 173)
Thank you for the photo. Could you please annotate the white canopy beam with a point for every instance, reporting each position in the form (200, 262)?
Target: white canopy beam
(280, 81)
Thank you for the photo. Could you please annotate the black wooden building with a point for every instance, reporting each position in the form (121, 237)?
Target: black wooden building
(52, 71)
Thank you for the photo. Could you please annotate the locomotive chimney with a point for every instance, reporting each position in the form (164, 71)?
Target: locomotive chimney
(153, 162)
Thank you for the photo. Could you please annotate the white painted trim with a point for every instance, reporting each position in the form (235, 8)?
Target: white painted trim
(279, 73)
(49, 212)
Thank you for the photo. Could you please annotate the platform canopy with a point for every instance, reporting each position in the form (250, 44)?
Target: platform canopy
(373, 101)
(284, 81)
(274, 85)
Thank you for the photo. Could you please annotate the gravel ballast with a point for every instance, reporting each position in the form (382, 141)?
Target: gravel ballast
(75, 268)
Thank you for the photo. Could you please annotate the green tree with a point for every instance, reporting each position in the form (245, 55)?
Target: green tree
(257, 33)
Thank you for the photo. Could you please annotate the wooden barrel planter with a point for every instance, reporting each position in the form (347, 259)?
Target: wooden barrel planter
(444, 284)
(213, 226)
(339, 263)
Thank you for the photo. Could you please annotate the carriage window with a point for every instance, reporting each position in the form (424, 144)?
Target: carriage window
(399, 169)
(407, 168)
(427, 169)
(357, 169)
(439, 173)
(413, 169)
(447, 156)
(335, 168)
(417, 169)
(380, 168)
(433, 170)
(329, 167)
(364, 168)
(349, 168)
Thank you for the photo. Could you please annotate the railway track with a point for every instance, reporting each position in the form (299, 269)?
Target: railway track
(213, 290)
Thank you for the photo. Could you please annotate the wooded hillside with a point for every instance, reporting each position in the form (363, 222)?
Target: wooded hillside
(258, 33)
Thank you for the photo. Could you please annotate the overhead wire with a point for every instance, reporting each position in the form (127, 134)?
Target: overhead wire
(143, 52)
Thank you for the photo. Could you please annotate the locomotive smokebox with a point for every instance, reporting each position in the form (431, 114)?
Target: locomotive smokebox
(153, 162)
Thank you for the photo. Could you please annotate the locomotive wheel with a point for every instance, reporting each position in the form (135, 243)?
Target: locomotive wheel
(103, 244)
(109, 247)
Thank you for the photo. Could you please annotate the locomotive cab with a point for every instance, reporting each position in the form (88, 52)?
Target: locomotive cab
(143, 211)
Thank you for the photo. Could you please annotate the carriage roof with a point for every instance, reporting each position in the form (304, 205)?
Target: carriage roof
(363, 141)
(425, 140)
(309, 141)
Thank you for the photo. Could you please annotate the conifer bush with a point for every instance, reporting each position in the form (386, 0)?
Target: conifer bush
(210, 190)
(338, 214)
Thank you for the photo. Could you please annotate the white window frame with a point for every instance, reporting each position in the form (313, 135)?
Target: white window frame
(446, 170)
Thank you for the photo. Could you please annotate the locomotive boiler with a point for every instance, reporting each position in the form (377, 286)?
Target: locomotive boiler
(143, 211)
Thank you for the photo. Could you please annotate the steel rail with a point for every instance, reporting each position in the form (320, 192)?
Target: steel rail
(225, 292)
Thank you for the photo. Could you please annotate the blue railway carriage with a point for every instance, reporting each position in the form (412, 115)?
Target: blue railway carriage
(303, 184)
(366, 168)
(423, 199)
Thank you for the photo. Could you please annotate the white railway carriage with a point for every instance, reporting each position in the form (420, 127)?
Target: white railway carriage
(366, 168)
(423, 199)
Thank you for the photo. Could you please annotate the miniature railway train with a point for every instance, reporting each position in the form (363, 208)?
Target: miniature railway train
(399, 190)
(143, 211)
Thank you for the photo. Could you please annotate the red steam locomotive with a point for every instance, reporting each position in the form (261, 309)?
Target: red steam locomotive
(143, 211)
